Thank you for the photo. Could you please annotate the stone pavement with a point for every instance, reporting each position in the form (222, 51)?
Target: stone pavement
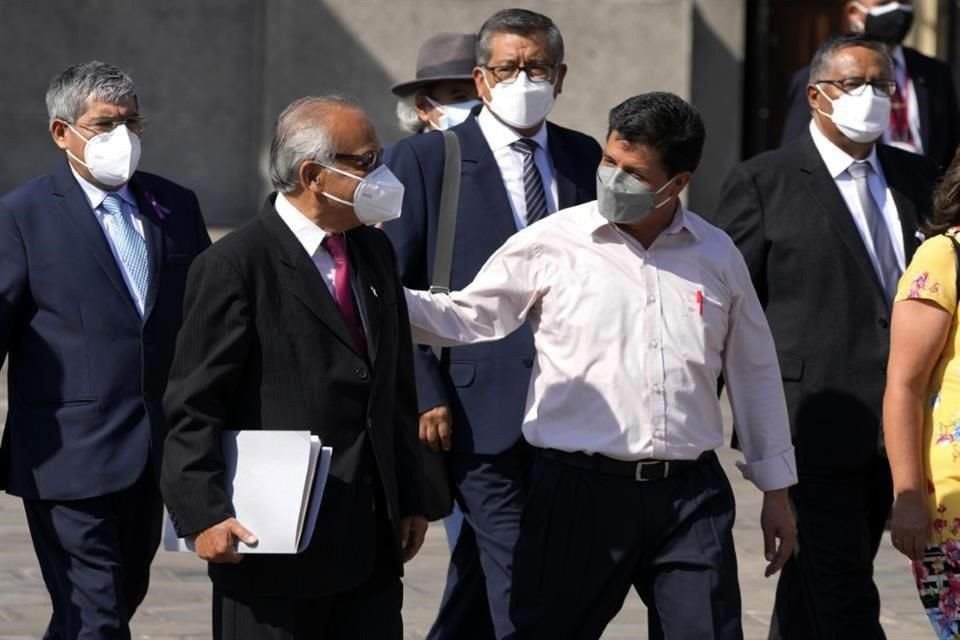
(177, 605)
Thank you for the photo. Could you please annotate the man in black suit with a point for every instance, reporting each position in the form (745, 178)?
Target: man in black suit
(925, 117)
(298, 321)
(93, 263)
(826, 225)
(516, 167)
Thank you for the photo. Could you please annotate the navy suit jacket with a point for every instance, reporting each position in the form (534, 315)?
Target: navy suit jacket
(936, 101)
(485, 384)
(86, 373)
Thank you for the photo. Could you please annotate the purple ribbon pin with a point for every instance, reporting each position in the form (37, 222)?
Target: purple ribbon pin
(161, 211)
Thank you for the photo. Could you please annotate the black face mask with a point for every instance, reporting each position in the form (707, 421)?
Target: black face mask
(890, 27)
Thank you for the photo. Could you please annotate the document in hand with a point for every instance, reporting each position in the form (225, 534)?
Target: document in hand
(275, 480)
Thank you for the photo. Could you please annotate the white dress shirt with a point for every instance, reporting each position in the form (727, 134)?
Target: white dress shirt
(630, 341)
(838, 161)
(499, 136)
(913, 109)
(311, 237)
(95, 196)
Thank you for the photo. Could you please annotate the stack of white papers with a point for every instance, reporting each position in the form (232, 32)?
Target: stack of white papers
(275, 480)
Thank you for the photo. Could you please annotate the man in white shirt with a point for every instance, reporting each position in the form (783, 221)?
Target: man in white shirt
(637, 306)
(826, 225)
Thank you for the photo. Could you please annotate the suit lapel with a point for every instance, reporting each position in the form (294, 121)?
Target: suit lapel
(824, 191)
(76, 208)
(899, 186)
(304, 281)
(153, 234)
(481, 170)
(918, 84)
(368, 287)
(563, 167)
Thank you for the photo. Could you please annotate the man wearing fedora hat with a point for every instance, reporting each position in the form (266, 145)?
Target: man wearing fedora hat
(516, 167)
(443, 92)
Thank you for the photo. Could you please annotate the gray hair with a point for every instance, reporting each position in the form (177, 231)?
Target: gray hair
(823, 58)
(407, 117)
(302, 135)
(69, 91)
(520, 22)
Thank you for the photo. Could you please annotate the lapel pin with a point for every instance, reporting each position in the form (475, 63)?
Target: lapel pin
(919, 235)
(374, 292)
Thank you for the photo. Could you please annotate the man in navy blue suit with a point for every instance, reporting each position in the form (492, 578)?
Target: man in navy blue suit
(93, 263)
(516, 168)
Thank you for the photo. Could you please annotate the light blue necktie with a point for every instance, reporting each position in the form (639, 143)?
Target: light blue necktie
(130, 245)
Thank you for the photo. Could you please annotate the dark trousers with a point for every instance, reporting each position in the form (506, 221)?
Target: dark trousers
(95, 557)
(371, 611)
(826, 589)
(490, 490)
(587, 537)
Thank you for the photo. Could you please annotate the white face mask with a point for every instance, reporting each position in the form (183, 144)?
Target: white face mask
(523, 103)
(378, 197)
(861, 118)
(452, 114)
(111, 157)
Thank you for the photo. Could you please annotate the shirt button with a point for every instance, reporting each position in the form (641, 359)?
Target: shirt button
(651, 299)
(654, 344)
(657, 389)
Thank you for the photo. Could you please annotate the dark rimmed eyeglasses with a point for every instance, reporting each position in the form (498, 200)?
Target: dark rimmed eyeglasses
(856, 86)
(364, 162)
(507, 73)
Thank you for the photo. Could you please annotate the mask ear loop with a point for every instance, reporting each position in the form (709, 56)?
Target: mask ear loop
(343, 173)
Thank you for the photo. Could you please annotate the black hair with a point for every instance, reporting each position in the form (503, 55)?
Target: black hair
(664, 122)
(829, 48)
(520, 22)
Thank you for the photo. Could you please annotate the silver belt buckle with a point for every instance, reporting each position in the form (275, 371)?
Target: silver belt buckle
(642, 464)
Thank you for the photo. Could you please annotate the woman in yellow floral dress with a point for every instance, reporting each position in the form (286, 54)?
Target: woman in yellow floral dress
(921, 412)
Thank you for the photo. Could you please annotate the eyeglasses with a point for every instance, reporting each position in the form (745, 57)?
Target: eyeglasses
(106, 125)
(507, 73)
(856, 86)
(364, 162)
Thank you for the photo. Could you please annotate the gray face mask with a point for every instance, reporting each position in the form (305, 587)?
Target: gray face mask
(621, 198)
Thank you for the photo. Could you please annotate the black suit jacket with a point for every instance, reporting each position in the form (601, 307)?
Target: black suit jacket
(485, 384)
(822, 297)
(936, 100)
(264, 346)
(86, 371)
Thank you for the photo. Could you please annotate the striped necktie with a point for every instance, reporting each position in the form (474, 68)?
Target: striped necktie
(534, 195)
(130, 245)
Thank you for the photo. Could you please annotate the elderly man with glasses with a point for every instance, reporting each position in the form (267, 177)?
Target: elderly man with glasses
(93, 263)
(297, 321)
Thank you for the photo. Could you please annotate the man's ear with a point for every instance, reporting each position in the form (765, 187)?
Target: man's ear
(561, 74)
(813, 93)
(59, 131)
(312, 176)
(478, 80)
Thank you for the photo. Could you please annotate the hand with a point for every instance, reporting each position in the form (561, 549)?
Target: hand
(413, 531)
(910, 524)
(218, 544)
(777, 521)
(436, 428)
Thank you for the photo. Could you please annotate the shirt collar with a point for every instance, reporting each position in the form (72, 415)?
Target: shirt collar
(308, 234)
(897, 56)
(499, 135)
(592, 221)
(836, 159)
(95, 195)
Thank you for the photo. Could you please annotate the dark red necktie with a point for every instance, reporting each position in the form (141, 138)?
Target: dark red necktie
(336, 246)
(899, 119)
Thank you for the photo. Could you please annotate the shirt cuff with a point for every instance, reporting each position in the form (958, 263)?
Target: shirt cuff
(773, 473)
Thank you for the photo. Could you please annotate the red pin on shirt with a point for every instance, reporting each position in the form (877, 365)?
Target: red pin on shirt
(700, 302)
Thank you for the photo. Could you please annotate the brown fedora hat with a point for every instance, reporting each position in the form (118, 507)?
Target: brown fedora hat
(445, 56)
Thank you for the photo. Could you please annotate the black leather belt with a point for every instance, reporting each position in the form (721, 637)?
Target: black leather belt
(640, 470)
